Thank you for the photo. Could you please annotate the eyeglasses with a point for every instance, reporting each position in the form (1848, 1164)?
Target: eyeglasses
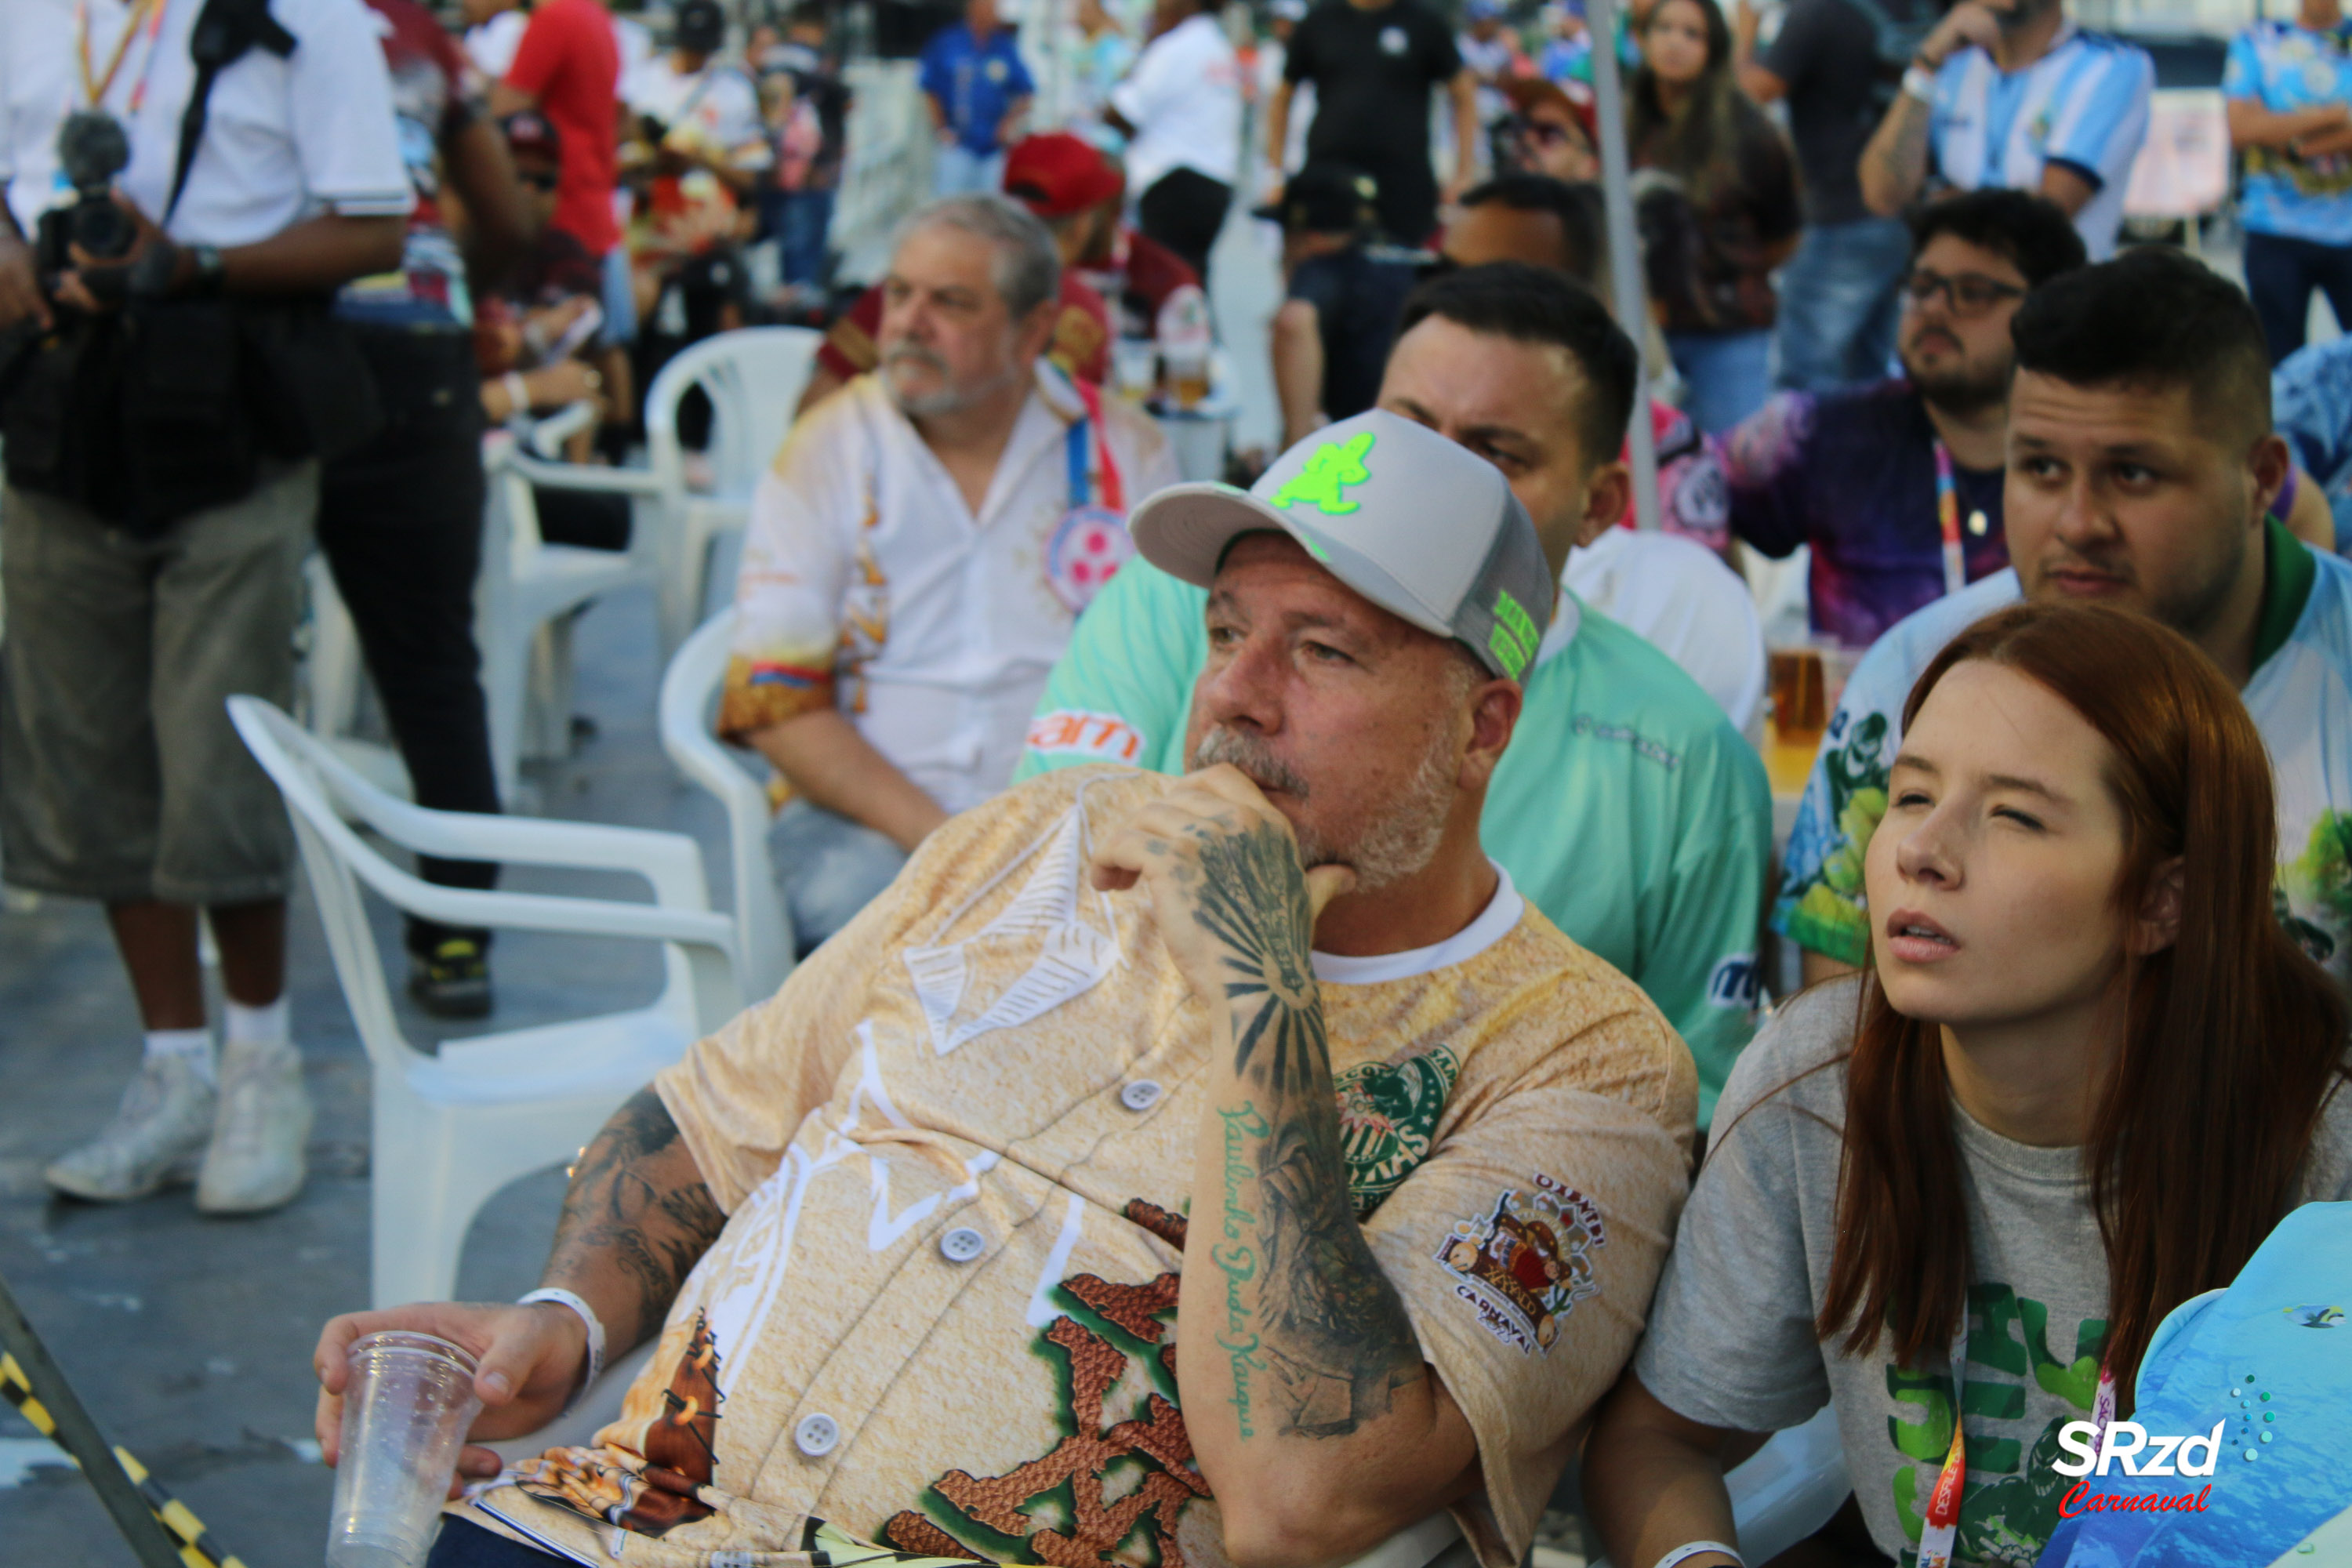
(1965, 294)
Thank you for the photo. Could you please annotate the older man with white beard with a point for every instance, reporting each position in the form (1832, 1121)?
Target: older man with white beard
(1232, 1168)
(918, 556)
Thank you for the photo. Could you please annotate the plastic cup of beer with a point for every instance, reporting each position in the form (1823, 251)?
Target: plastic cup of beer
(1187, 378)
(406, 1409)
(1134, 367)
(1799, 701)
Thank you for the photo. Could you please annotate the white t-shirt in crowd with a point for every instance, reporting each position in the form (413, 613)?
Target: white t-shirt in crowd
(491, 46)
(719, 100)
(1184, 100)
(285, 139)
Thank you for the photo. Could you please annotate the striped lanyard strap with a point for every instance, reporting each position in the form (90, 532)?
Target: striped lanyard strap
(1948, 520)
(146, 15)
(1941, 1524)
(1094, 477)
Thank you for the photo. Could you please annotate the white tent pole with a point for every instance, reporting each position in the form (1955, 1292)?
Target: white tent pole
(1624, 248)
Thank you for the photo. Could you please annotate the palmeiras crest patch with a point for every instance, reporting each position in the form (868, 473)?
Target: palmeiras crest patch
(1527, 1263)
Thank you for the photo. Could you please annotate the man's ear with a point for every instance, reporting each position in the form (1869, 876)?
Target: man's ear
(1607, 495)
(2157, 926)
(1494, 714)
(2270, 462)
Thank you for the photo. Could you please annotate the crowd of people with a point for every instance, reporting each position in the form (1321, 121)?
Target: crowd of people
(1369, 861)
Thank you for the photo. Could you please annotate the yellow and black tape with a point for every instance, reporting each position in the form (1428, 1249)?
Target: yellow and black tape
(197, 1548)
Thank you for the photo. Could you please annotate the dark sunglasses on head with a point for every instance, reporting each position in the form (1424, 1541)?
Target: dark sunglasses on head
(1965, 293)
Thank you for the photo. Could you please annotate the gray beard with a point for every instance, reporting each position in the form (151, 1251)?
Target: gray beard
(1396, 845)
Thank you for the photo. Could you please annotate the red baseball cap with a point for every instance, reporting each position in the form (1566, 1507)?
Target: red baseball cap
(1057, 175)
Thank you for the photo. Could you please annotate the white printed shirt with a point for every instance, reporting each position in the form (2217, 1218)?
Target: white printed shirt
(285, 139)
(868, 583)
(1184, 100)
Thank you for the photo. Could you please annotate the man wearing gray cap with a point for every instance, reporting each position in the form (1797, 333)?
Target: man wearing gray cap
(1277, 1032)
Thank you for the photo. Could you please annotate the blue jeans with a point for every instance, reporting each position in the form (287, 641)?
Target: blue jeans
(829, 867)
(1725, 376)
(2281, 273)
(620, 298)
(465, 1544)
(804, 222)
(1840, 302)
(957, 170)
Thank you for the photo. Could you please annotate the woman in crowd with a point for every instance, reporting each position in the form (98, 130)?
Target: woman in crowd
(2088, 1074)
(1711, 274)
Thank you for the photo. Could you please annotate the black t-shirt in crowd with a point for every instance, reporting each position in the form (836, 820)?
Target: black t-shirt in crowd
(1357, 294)
(1372, 72)
(1827, 53)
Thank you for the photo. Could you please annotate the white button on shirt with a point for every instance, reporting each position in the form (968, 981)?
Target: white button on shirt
(864, 570)
(1140, 1095)
(962, 1244)
(817, 1435)
(285, 139)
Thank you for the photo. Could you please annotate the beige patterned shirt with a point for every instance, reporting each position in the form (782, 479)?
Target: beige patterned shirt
(954, 1152)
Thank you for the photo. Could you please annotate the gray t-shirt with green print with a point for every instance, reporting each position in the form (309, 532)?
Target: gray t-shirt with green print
(1730, 1339)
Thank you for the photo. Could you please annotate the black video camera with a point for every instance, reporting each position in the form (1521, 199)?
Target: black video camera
(91, 150)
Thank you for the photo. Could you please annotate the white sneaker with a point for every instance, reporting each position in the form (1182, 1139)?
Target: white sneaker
(256, 1159)
(157, 1136)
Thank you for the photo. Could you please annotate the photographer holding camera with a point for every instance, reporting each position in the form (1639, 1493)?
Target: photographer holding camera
(197, 178)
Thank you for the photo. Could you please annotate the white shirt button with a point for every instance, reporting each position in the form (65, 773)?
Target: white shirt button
(1140, 1095)
(817, 1435)
(962, 1244)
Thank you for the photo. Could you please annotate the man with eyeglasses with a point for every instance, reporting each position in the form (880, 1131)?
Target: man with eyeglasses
(1896, 485)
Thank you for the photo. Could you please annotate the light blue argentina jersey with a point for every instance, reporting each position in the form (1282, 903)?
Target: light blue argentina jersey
(2311, 405)
(2300, 698)
(2286, 68)
(2084, 104)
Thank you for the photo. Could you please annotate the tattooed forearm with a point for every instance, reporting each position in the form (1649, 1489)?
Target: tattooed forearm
(636, 1220)
(1316, 1338)
(1894, 164)
(1255, 903)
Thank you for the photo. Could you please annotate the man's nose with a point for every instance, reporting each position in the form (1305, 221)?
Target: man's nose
(1244, 684)
(2084, 515)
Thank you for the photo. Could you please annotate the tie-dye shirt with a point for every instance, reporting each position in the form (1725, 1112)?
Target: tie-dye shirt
(1852, 474)
(955, 1152)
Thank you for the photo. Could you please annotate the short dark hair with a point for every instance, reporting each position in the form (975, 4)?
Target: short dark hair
(2152, 318)
(1532, 304)
(2032, 231)
(1577, 207)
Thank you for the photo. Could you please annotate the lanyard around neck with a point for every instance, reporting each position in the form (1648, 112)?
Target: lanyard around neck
(1948, 518)
(146, 15)
(1940, 1524)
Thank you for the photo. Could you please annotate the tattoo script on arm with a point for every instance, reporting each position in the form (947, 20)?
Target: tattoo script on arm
(1316, 1337)
(636, 1207)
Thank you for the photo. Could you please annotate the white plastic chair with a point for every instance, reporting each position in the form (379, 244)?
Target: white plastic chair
(527, 591)
(753, 379)
(450, 1130)
(689, 693)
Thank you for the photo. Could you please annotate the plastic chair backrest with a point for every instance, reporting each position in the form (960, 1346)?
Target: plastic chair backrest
(689, 691)
(753, 379)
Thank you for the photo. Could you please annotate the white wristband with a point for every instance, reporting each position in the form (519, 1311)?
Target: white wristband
(1919, 82)
(518, 405)
(589, 1320)
(1691, 1549)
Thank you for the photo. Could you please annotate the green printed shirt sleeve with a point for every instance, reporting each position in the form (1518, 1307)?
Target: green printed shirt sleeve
(1120, 691)
(1698, 944)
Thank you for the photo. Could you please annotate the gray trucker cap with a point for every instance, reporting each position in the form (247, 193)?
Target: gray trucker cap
(1426, 530)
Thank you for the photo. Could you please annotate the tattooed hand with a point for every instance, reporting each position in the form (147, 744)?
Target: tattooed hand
(1221, 867)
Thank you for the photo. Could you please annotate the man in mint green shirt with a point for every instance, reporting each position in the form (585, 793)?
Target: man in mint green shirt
(1627, 807)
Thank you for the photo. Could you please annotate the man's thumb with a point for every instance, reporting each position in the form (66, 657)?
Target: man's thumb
(1325, 883)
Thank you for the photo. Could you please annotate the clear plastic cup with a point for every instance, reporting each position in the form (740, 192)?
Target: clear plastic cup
(406, 1409)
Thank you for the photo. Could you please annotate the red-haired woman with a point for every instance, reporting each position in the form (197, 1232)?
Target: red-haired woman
(2085, 1074)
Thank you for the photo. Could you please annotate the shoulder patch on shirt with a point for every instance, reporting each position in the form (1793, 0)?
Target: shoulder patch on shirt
(1525, 1266)
(1076, 733)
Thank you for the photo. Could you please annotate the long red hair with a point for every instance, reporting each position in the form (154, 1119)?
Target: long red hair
(2232, 1038)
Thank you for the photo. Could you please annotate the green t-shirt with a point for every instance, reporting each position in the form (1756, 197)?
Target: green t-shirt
(1627, 808)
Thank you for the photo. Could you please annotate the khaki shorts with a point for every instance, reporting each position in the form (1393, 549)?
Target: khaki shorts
(120, 777)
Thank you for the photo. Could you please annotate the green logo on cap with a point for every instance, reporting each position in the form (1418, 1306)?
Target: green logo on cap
(1512, 640)
(1330, 467)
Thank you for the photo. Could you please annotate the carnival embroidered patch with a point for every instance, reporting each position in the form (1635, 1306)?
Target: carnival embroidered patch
(1524, 1266)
